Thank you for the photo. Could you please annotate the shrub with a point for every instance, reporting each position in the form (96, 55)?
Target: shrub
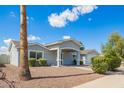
(43, 61)
(113, 62)
(81, 62)
(102, 62)
(31, 62)
(99, 65)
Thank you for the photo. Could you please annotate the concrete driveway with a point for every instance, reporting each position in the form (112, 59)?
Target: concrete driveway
(112, 80)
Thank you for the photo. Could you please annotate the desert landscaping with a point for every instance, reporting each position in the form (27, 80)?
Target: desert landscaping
(47, 77)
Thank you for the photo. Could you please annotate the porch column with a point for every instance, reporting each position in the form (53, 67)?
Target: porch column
(78, 57)
(58, 57)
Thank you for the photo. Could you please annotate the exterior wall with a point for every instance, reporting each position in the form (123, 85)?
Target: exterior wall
(14, 56)
(82, 55)
(88, 58)
(67, 58)
(49, 55)
(4, 59)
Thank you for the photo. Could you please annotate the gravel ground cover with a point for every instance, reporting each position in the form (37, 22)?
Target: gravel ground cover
(47, 77)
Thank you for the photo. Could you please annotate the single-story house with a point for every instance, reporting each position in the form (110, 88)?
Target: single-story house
(86, 55)
(57, 53)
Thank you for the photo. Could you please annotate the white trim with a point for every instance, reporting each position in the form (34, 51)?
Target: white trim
(70, 48)
(36, 53)
(53, 48)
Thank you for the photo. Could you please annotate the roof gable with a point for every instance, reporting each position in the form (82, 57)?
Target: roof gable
(17, 44)
(62, 41)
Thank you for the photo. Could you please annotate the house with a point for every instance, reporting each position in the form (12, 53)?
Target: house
(57, 53)
(86, 55)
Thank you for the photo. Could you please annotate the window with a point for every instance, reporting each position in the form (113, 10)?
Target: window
(39, 55)
(32, 54)
(35, 54)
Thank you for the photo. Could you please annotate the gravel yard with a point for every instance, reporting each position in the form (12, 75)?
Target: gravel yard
(47, 77)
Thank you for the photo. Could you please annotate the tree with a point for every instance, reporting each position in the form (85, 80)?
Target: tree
(24, 72)
(120, 48)
(114, 38)
(114, 46)
(108, 50)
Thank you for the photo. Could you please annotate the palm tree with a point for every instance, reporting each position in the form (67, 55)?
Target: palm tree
(24, 72)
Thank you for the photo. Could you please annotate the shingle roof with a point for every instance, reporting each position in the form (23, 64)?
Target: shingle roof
(17, 44)
(89, 52)
(61, 41)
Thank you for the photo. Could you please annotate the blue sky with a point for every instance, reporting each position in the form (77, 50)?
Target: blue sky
(50, 23)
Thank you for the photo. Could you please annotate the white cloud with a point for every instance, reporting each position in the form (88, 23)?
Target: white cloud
(7, 41)
(29, 19)
(56, 21)
(12, 14)
(33, 38)
(61, 20)
(66, 37)
(4, 49)
(84, 9)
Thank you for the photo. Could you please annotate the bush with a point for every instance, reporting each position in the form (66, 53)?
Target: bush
(99, 65)
(81, 62)
(43, 61)
(113, 62)
(31, 62)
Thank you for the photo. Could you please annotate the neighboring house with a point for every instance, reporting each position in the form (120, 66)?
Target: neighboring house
(4, 58)
(57, 53)
(86, 56)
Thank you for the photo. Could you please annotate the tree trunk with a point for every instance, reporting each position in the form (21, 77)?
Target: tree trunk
(24, 72)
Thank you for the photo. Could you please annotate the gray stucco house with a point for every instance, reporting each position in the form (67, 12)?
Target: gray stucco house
(57, 53)
(86, 56)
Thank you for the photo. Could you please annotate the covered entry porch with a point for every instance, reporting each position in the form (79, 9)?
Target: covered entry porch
(66, 56)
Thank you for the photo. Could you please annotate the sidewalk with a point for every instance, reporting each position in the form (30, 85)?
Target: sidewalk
(112, 81)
